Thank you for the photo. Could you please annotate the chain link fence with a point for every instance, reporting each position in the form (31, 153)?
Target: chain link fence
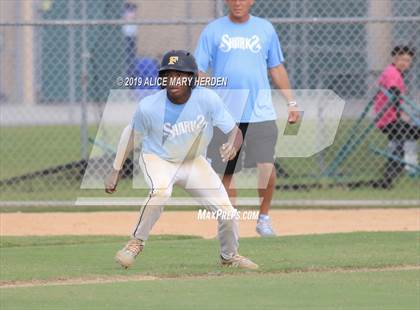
(60, 59)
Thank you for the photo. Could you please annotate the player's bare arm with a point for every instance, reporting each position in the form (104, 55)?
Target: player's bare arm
(281, 81)
(125, 146)
(229, 149)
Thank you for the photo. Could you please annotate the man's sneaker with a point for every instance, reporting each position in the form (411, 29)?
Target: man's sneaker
(238, 261)
(264, 228)
(128, 254)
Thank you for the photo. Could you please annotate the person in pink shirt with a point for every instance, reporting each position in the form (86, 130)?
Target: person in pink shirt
(391, 119)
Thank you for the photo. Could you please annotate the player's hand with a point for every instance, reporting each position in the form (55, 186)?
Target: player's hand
(227, 152)
(294, 115)
(111, 181)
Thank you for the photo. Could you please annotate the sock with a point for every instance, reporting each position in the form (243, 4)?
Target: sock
(263, 217)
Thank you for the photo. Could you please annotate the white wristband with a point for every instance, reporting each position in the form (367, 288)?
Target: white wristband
(292, 104)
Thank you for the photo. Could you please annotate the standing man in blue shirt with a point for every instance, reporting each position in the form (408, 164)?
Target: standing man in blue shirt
(175, 126)
(242, 48)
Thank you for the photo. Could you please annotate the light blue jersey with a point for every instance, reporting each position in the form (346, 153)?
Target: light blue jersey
(175, 132)
(242, 53)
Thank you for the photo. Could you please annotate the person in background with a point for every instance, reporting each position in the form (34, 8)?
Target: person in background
(397, 125)
(242, 48)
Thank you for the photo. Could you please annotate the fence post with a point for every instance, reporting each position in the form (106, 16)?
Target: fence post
(219, 8)
(71, 64)
(85, 78)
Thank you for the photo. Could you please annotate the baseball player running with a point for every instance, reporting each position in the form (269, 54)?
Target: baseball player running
(243, 48)
(175, 126)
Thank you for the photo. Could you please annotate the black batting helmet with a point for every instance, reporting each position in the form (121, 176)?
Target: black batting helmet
(179, 60)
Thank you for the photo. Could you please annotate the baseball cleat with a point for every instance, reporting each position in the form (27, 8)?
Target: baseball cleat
(128, 254)
(264, 228)
(238, 261)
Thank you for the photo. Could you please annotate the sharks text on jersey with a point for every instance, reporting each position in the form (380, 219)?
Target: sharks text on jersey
(252, 44)
(184, 127)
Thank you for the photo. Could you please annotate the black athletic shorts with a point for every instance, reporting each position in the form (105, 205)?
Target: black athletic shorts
(258, 147)
(400, 130)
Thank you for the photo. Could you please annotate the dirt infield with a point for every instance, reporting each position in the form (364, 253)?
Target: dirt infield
(286, 222)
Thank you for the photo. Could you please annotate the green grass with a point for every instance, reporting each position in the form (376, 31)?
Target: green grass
(92, 256)
(33, 241)
(405, 188)
(28, 149)
(327, 291)
(297, 272)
